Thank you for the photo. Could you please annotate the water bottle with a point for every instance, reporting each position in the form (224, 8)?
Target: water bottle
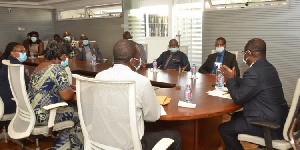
(154, 65)
(93, 59)
(193, 69)
(31, 54)
(188, 93)
(219, 79)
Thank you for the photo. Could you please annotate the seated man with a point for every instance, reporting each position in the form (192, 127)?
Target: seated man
(126, 60)
(86, 50)
(222, 56)
(172, 59)
(127, 35)
(260, 92)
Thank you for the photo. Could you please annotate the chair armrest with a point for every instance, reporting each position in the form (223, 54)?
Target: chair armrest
(260, 123)
(56, 105)
(163, 144)
(52, 108)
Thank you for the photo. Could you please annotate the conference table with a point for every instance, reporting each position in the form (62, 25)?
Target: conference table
(198, 126)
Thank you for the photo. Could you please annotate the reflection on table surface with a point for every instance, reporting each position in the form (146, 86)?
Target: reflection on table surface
(198, 126)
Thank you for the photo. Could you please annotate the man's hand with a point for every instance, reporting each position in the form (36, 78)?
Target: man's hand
(227, 72)
(143, 65)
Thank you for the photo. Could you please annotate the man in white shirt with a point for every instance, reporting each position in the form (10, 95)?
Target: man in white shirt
(126, 62)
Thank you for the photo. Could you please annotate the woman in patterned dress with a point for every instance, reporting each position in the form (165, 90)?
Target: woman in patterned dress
(49, 84)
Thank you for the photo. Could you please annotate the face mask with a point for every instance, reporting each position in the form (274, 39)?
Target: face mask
(67, 38)
(219, 49)
(85, 42)
(139, 66)
(33, 39)
(65, 63)
(173, 50)
(22, 57)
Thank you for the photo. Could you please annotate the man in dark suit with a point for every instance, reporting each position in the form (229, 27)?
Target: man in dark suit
(86, 50)
(222, 56)
(260, 91)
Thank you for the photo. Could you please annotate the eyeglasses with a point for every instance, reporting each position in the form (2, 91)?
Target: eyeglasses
(244, 51)
(136, 59)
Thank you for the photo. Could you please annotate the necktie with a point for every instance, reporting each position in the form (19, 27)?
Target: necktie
(167, 62)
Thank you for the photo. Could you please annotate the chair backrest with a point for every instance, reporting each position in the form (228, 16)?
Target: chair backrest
(233, 52)
(1, 108)
(23, 122)
(293, 113)
(107, 113)
(184, 49)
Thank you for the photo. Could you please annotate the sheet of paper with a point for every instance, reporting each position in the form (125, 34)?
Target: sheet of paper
(219, 93)
(162, 111)
(185, 104)
(161, 99)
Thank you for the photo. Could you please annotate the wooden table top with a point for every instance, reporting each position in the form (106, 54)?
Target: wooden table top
(206, 105)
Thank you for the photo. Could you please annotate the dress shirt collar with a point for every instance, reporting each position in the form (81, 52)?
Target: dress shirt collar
(121, 67)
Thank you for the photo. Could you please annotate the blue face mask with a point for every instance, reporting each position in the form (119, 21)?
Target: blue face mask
(85, 42)
(219, 49)
(173, 50)
(22, 57)
(65, 63)
(67, 38)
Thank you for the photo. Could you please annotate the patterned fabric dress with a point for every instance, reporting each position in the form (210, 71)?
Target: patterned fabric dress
(43, 90)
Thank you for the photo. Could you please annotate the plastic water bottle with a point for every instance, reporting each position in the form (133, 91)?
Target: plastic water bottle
(154, 65)
(193, 70)
(188, 93)
(219, 79)
(31, 54)
(93, 59)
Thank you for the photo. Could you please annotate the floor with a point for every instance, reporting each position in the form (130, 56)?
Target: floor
(47, 142)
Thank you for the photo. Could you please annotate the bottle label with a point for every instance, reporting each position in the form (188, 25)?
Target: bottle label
(154, 64)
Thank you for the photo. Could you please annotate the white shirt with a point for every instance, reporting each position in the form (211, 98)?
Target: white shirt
(147, 106)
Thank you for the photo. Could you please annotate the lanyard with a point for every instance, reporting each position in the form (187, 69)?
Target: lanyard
(221, 61)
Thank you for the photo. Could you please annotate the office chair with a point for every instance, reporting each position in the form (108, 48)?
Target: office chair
(233, 52)
(4, 121)
(103, 107)
(23, 123)
(290, 130)
(184, 49)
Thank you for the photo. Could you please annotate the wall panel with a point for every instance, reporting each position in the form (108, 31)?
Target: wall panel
(279, 27)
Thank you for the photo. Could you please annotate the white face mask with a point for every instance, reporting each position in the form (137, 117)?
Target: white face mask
(139, 66)
(220, 49)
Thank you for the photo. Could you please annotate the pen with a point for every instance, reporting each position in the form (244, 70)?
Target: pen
(184, 68)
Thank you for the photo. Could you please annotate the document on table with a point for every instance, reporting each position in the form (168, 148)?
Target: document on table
(220, 93)
(162, 111)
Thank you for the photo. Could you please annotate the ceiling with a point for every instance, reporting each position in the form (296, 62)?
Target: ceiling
(32, 3)
(51, 4)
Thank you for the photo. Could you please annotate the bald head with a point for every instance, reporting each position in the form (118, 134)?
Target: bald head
(127, 35)
(124, 50)
(256, 45)
(66, 33)
(83, 37)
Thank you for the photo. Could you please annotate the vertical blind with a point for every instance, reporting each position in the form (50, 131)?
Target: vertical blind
(279, 27)
(187, 23)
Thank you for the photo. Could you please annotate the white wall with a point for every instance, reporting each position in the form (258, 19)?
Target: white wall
(157, 45)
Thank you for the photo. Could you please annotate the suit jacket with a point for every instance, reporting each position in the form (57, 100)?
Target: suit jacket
(80, 52)
(229, 60)
(178, 58)
(260, 91)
